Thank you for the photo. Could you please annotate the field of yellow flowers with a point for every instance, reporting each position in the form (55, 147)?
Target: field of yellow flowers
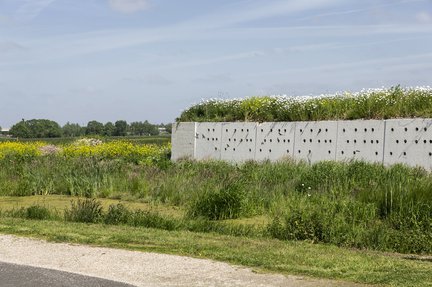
(87, 148)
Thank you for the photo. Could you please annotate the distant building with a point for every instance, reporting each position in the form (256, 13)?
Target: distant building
(162, 130)
(4, 132)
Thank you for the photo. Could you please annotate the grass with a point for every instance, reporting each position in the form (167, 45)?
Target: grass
(355, 204)
(59, 203)
(269, 255)
(395, 102)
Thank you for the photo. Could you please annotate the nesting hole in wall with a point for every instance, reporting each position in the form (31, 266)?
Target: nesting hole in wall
(404, 153)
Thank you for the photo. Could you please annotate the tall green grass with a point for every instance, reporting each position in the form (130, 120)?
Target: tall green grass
(395, 102)
(353, 204)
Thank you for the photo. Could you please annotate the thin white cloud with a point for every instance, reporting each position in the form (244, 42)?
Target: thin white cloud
(424, 17)
(129, 6)
(30, 9)
(257, 10)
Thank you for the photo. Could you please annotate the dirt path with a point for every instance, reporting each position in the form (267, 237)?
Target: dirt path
(140, 268)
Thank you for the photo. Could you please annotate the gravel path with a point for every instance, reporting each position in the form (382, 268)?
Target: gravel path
(140, 268)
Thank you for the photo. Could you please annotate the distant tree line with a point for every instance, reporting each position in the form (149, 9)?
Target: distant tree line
(42, 128)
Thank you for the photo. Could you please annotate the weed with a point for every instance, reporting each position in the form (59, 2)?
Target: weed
(84, 210)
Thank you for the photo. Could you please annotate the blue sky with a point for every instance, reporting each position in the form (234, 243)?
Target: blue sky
(105, 60)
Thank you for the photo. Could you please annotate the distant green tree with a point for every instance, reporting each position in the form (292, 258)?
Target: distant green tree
(150, 129)
(121, 128)
(72, 130)
(109, 129)
(168, 128)
(94, 128)
(36, 128)
(136, 128)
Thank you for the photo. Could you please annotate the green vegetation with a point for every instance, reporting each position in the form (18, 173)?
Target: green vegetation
(288, 257)
(395, 102)
(159, 140)
(42, 128)
(353, 204)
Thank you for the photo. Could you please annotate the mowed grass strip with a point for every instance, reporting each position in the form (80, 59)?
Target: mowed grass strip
(60, 203)
(263, 255)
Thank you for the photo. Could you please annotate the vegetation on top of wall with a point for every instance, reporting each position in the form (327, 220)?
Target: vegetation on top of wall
(395, 102)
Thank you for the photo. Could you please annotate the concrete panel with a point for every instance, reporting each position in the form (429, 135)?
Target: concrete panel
(238, 141)
(182, 141)
(315, 141)
(409, 141)
(208, 141)
(360, 140)
(275, 141)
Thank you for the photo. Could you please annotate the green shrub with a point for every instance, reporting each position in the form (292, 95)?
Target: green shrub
(38, 212)
(225, 203)
(84, 210)
(152, 220)
(117, 214)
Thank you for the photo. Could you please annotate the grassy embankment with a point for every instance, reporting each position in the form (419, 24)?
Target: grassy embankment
(395, 102)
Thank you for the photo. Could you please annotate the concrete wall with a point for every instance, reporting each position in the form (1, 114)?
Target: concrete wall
(183, 141)
(407, 141)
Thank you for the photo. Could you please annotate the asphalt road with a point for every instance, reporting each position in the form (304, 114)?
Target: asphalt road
(12, 275)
